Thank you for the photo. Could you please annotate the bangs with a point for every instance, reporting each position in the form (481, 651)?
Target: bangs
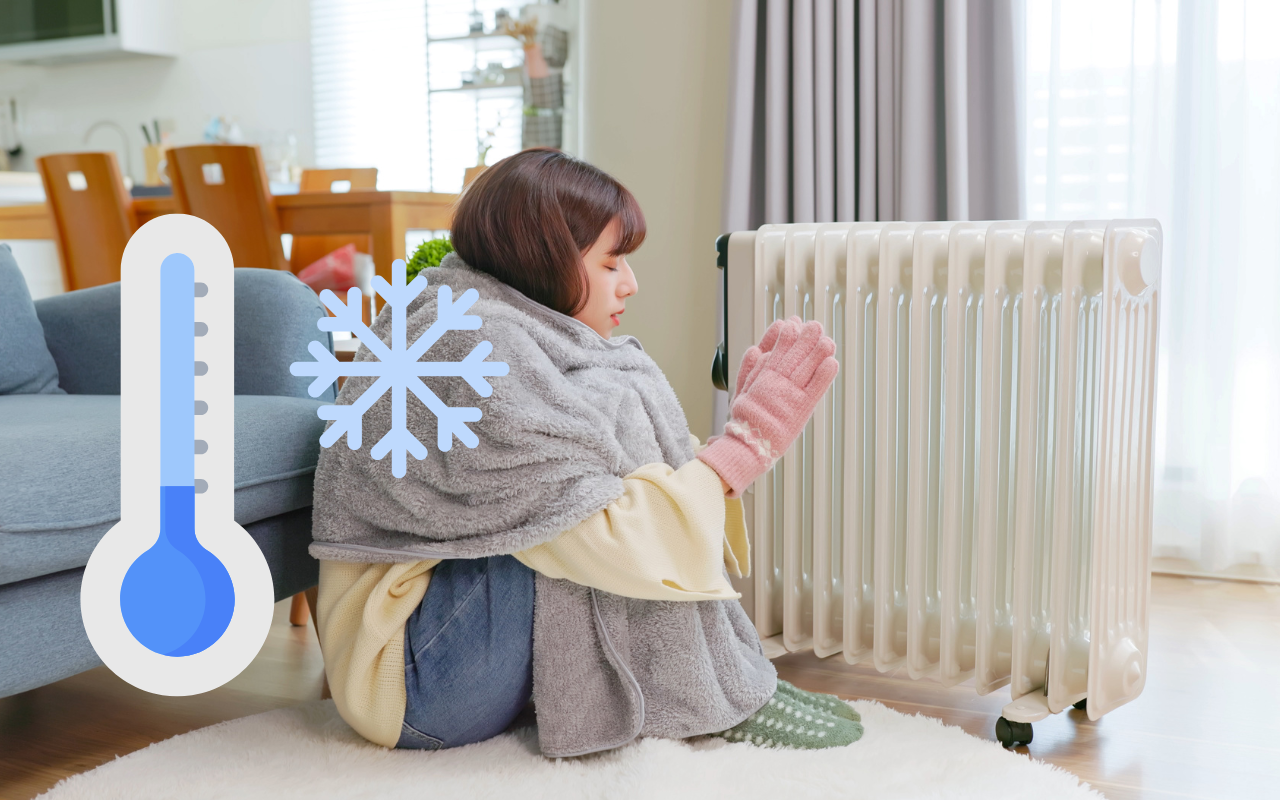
(631, 225)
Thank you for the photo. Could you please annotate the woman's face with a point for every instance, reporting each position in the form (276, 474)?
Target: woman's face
(609, 283)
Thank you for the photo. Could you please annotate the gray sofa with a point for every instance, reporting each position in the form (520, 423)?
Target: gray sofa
(60, 453)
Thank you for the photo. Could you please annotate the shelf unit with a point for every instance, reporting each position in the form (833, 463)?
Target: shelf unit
(459, 115)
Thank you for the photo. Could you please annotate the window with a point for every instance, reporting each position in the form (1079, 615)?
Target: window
(463, 117)
(369, 78)
(389, 91)
(1096, 72)
(1171, 110)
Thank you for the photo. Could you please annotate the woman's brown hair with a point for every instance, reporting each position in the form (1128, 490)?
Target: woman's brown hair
(528, 219)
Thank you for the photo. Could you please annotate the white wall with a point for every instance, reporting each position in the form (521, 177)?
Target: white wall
(245, 59)
(655, 95)
(654, 83)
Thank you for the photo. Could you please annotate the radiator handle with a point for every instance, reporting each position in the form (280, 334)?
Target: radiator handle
(720, 360)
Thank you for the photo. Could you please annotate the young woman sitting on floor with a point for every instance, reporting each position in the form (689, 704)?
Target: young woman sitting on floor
(578, 554)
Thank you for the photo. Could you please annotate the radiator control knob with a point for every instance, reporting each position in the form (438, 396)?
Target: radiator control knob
(1139, 254)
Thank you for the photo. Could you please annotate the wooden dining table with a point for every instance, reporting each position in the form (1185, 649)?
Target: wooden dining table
(384, 216)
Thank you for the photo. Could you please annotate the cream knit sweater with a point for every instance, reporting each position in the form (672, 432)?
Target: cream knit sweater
(670, 536)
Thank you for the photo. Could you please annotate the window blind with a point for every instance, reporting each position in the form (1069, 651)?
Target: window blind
(369, 85)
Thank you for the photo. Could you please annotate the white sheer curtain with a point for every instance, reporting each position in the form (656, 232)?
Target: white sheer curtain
(1150, 108)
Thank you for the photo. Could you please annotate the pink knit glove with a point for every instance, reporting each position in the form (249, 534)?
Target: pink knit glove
(780, 392)
(751, 359)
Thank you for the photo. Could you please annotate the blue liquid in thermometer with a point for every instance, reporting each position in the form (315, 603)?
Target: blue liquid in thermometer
(177, 597)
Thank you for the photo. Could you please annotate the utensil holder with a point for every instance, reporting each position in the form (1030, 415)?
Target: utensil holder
(153, 158)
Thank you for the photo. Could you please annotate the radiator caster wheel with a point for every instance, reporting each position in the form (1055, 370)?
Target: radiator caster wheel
(1082, 705)
(1013, 734)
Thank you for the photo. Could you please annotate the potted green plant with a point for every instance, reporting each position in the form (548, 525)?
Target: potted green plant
(428, 254)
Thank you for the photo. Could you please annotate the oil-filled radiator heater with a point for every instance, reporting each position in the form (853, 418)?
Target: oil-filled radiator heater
(972, 501)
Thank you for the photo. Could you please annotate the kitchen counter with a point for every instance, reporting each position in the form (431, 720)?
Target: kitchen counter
(20, 188)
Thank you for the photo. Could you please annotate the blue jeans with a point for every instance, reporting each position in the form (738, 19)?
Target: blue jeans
(468, 653)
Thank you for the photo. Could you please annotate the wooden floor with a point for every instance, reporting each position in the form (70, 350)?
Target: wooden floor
(86, 720)
(1207, 726)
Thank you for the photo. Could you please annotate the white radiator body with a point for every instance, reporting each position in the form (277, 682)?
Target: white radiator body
(972, 500)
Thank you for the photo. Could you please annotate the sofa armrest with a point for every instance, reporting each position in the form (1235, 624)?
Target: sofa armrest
(82, 331)
(276, 318)
(275, 321)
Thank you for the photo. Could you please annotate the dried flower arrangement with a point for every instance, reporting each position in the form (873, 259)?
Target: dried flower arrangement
(524, 30)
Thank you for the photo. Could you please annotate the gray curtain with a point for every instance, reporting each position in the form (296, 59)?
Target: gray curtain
(850, 110)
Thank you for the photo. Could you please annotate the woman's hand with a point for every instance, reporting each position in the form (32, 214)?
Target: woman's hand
(780, 391)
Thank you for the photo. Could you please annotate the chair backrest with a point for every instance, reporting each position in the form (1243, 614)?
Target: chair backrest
(306, 250)
(323, 180)
(93, 214)
(226, 186)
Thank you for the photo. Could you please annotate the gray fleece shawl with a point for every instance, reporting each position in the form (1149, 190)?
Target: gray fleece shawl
(576, 413)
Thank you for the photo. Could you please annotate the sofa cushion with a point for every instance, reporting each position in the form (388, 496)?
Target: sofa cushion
(82, 330)
(26, 366)
(60, 469)
(44, 640)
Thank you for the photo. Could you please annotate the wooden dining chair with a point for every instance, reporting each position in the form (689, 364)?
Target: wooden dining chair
(226, 186)
(307, 250)
(92, 212)
(354, 179)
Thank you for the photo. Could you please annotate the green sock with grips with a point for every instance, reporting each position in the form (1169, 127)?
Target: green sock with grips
(787, 722)
(823, 702)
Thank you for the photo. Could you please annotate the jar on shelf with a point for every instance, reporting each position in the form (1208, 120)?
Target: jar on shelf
(493, 74)
(477, 22)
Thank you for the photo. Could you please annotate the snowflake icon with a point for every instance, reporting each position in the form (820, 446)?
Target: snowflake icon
(397, 368)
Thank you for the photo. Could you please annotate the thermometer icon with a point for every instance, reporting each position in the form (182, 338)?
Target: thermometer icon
(177, 598)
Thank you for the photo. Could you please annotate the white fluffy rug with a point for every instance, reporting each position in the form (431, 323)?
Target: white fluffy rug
(309, 752)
